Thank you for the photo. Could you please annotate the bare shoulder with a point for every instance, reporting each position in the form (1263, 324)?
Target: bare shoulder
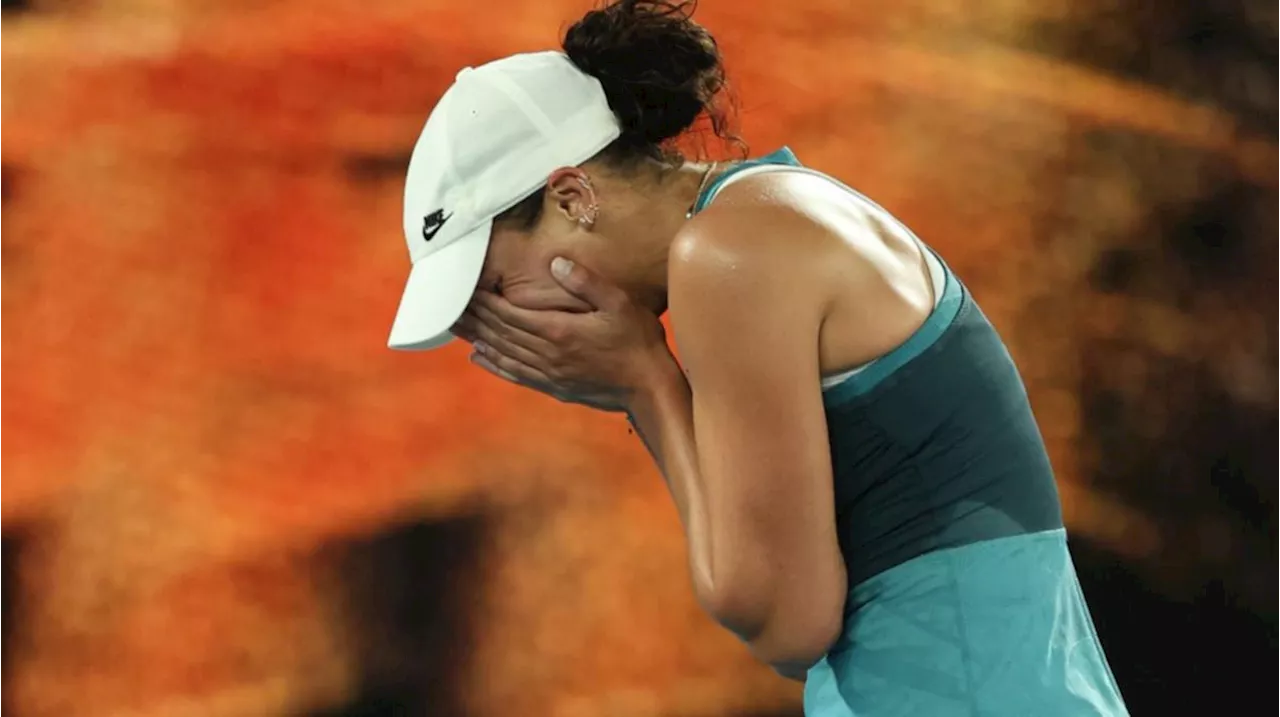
(742, 273)
(743, 247)
(789, 257)
(760, 240)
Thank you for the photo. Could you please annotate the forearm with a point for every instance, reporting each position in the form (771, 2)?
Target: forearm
(662, 415)
(739, 592)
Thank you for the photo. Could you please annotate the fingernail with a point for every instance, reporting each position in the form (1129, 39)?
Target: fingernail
(480, 346)
(561, 267)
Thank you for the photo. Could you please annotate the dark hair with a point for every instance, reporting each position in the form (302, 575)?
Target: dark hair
(660, 72)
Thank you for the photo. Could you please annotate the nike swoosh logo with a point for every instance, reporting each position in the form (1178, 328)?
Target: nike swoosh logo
(433, 222)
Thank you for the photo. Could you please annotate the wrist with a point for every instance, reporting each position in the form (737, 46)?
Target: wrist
(659, 373)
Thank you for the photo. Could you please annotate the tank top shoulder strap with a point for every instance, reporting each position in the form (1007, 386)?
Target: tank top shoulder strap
(783, 157)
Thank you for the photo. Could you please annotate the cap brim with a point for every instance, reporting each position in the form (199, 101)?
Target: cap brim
(439, 289)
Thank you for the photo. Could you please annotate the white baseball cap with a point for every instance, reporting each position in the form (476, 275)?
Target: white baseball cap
(492, 140)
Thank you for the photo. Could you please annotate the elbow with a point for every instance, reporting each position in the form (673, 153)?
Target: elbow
(795, 644)
(790, 633)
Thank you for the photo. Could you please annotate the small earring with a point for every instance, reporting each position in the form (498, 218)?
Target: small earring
(588, 218)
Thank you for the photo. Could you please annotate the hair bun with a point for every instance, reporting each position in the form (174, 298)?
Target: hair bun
(659, 69)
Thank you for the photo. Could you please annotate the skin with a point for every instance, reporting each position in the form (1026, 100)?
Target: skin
(782, 280)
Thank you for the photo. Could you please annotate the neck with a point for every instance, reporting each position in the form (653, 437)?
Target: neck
(651, 226)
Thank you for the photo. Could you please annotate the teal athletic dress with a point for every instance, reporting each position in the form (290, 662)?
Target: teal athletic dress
(963, 599)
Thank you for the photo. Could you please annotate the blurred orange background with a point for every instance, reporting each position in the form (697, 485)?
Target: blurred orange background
(222, 495)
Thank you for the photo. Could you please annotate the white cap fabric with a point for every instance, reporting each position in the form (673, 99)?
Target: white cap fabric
(491, 141)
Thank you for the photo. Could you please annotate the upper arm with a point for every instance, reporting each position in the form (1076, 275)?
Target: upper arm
(746, 328)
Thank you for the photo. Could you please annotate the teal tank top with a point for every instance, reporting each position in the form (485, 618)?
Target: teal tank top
(963, 599)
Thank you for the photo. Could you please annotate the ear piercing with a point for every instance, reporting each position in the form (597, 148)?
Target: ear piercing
(588, 218)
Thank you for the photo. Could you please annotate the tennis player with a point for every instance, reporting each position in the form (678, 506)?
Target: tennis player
(866, 495)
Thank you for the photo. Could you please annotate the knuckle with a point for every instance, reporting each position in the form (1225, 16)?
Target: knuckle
(556, 333)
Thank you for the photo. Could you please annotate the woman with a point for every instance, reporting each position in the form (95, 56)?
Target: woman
(867, 498)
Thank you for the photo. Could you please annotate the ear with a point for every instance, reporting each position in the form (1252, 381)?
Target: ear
(571, 194)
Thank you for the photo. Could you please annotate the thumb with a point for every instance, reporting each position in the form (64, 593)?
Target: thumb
(584, 284)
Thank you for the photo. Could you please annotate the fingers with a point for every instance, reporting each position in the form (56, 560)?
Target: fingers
(540, 323)
(509, 369)
(484, 363)
(482, 328)
(585, 284)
